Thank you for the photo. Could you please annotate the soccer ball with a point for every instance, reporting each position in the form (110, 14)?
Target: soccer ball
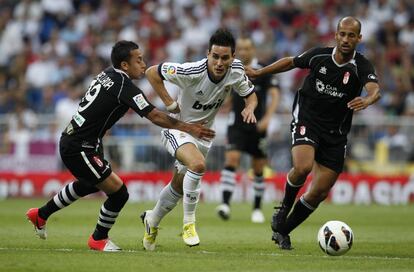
(335, 238)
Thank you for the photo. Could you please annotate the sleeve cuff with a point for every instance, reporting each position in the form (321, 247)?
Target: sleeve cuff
(249, 94)
(159, 70)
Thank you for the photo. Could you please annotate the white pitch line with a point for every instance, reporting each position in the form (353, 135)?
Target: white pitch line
(58, 249)
(218, 253)
(344, 257)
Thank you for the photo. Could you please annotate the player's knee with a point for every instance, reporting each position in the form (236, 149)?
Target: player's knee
(198, 166)
(302, 170)
(232, 162)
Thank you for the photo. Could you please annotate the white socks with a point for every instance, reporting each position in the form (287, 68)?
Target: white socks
(228, 180)
(259, 186)
(169, 198)
(191, 189)
(167, 201)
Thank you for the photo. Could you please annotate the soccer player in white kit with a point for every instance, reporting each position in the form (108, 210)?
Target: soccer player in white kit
(204, 85)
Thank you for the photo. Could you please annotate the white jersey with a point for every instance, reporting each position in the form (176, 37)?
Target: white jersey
(199, 97)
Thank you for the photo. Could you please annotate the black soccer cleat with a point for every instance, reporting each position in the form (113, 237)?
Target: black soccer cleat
(282, 240)
(279, 217)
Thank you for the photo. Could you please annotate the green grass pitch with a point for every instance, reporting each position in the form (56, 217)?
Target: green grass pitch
(384, 241)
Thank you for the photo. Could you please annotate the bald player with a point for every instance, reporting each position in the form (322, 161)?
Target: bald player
(322, 117)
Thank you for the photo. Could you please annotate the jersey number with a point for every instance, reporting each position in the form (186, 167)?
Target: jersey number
(90, 95)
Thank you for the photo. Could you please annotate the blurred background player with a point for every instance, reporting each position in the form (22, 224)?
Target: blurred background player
(322, 118)
(110, 95)
(249, 138)
(204, 85)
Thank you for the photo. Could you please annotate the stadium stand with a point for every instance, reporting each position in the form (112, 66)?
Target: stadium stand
(50, 49)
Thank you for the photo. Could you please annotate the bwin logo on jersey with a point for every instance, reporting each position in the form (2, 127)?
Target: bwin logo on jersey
(198, 106)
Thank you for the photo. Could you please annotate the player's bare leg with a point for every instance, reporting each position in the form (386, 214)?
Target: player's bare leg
(323, 180)
(303, 160)
(228, 182)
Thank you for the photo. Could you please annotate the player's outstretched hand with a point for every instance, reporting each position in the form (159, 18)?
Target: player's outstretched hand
(199, 131)
(248, 116)
(250, 72)
(358, 103)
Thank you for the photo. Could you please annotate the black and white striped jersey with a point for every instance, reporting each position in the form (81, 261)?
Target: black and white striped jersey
(199, 97)
(107, 99)
(322, 99)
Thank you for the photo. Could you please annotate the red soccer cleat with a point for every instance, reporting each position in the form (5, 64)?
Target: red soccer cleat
(38, 223)
(102, 245)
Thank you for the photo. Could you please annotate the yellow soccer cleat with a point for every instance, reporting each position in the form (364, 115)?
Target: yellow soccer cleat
(190, 235)
(150, 233)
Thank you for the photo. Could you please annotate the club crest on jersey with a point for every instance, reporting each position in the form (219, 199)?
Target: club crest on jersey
(323, 70)
(346, 78)
(227, 89)
(140, 101)
(98, 161)
(171, 70)
(302, 130)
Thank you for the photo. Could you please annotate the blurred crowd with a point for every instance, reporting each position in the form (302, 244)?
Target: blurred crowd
(50, 49)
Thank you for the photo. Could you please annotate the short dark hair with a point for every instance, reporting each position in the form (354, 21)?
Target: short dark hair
(222, 37)
(121, 51)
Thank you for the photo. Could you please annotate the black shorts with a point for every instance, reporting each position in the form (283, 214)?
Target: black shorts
(330, 149)
(84, 160)
(249, 141)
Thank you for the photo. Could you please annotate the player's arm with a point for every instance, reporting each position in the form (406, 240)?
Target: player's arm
(134, 98)
(373, 95)
(270, 109)
(157, 83)
(161, 119)
(281, 65)
(250, 106)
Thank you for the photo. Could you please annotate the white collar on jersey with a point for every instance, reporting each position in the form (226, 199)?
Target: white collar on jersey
(120, 71)
(340, 65)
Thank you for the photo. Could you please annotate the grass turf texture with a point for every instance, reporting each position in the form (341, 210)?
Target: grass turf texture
(384, 241)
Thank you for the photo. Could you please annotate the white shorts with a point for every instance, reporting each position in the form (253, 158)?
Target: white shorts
(172, 139)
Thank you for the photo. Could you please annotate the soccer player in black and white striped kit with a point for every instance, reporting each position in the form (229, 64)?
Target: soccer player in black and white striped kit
(322, 117)
(110, 95)
(248, 138)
